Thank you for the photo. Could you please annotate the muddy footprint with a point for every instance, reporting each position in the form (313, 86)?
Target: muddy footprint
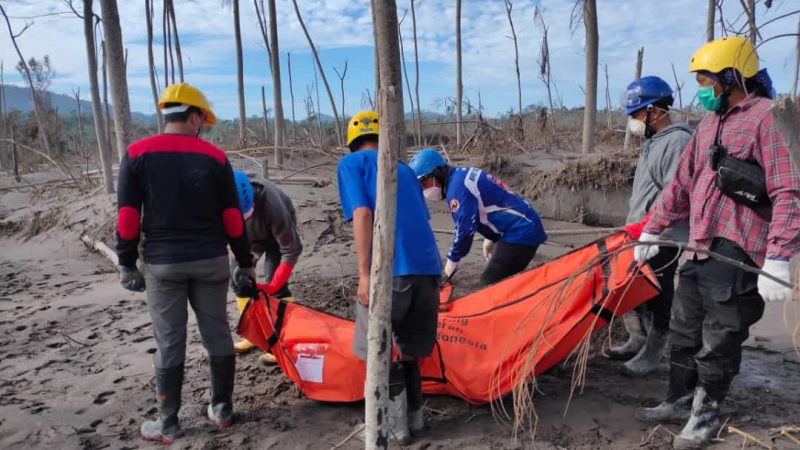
(102, 397)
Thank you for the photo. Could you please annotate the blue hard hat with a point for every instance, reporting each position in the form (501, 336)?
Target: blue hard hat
(644, 92)
(426, 161)
(245, 190)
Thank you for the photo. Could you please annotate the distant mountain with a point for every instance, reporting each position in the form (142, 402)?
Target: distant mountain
(20, 99)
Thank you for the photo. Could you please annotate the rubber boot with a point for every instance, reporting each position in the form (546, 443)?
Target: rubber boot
(398, 405)
(222, 370)
(636, 338)
(416, 420)
(244, 345)
(676, 410)
(703, 424)
(649, 357)
(166, 428)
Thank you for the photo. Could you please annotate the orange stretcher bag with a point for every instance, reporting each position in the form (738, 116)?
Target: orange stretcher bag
(487, 342)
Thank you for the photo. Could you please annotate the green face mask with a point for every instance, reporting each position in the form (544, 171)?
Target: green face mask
(706, 97)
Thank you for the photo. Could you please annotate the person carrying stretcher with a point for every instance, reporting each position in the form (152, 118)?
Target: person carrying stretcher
(478, 201)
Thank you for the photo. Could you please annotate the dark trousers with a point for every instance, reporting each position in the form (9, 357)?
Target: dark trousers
(507, 259)
(664, 264)
(715, 304)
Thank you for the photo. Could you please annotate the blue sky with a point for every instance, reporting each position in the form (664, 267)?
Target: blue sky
(669, 31)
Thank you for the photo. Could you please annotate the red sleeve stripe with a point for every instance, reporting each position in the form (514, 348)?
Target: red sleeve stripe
(176, 143)
(232, 220)
(128, 223)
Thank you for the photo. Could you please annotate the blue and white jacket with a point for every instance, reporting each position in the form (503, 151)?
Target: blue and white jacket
(480, 202)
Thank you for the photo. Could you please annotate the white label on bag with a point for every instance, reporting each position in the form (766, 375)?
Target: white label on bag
(309, 367)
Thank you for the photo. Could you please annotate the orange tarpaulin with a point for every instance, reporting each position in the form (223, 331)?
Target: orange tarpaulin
(487, 342)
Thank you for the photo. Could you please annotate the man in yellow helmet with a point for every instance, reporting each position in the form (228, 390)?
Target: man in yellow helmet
(179, 191)
(415, 287)
(737, 186)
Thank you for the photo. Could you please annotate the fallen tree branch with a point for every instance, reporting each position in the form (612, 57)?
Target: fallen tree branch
(749, 437)
(102, 248)
(299, 171)
(43, 155)
(349, 436)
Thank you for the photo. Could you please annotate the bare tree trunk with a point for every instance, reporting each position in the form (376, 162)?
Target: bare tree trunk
(392, 132)
(164, 45)
(608, 99)
(416, 70)
(637, 74)
(459, 86)
(509, 7)
(377, 62)
(5, 157)
(319, 106)
(786, 115)
(168, 43)
(590, 104)
(81, 142)
(321, 71)
(148, 6)
(793, 92)
(264, 112)
(408, 82)
(29, 79)
(14, 154)
(280, 124)
(107, 123)
(103, 147)
(342, 76)
(240, 75)
(116, 75)
(544, 64)
(711, 10)
(178, 55)
(291, 94)
(679, 89)
(751, 20)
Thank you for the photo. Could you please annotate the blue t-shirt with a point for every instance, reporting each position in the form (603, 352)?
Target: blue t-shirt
(415, 251)
(480, 202)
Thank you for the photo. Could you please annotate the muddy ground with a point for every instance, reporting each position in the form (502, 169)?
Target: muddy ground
(75, 348)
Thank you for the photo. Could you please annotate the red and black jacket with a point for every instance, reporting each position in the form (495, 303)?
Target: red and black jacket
(180, 191)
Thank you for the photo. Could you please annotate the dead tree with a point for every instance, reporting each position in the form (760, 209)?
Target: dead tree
(712, 8)
(796, 63)
(321, 71)
(107, 123)
(637, 74)
(608, 99)
(148, 6)
(103, 147)
(29, 78)
(392, 131)
(590, 104)
(459, 86)
(5, 158)
(509, 7)
(405, 75)
(786, 115)
(237, 31)
(750, 8)
(291, 93)
(116, 74)
(170, 5)
(377, 62)
(418, 130)
(545, 72)
(273, 51)
(341, 77)
(679, 90)
(264, 112)
(77, 94)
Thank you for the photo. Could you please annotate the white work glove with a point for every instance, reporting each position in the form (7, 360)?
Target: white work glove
(488, 245)
(769, 289)
(642, 253)
(450, 268)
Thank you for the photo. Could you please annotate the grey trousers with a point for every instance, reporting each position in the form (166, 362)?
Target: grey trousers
(202, 284)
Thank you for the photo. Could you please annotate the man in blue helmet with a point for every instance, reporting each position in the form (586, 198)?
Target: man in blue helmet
(271, 225)
(480, 202)
(647, 102)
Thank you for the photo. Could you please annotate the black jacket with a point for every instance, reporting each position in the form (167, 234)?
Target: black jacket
(179, 190)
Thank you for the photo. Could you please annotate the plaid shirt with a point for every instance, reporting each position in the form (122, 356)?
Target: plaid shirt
(747, 132)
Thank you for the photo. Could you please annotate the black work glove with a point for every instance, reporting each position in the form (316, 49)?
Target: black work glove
(131, 279)
(244, 282)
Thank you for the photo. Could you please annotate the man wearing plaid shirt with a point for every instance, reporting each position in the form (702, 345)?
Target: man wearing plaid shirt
(716, 303)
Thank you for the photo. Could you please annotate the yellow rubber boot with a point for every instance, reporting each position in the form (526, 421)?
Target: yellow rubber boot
(267, 358)
(244, 345)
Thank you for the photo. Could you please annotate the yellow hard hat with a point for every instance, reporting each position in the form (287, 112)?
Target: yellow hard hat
(362, 124)
(732, 52)
(186, 94)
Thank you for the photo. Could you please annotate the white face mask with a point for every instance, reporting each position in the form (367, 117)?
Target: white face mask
(433, 193)
(637, 127)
